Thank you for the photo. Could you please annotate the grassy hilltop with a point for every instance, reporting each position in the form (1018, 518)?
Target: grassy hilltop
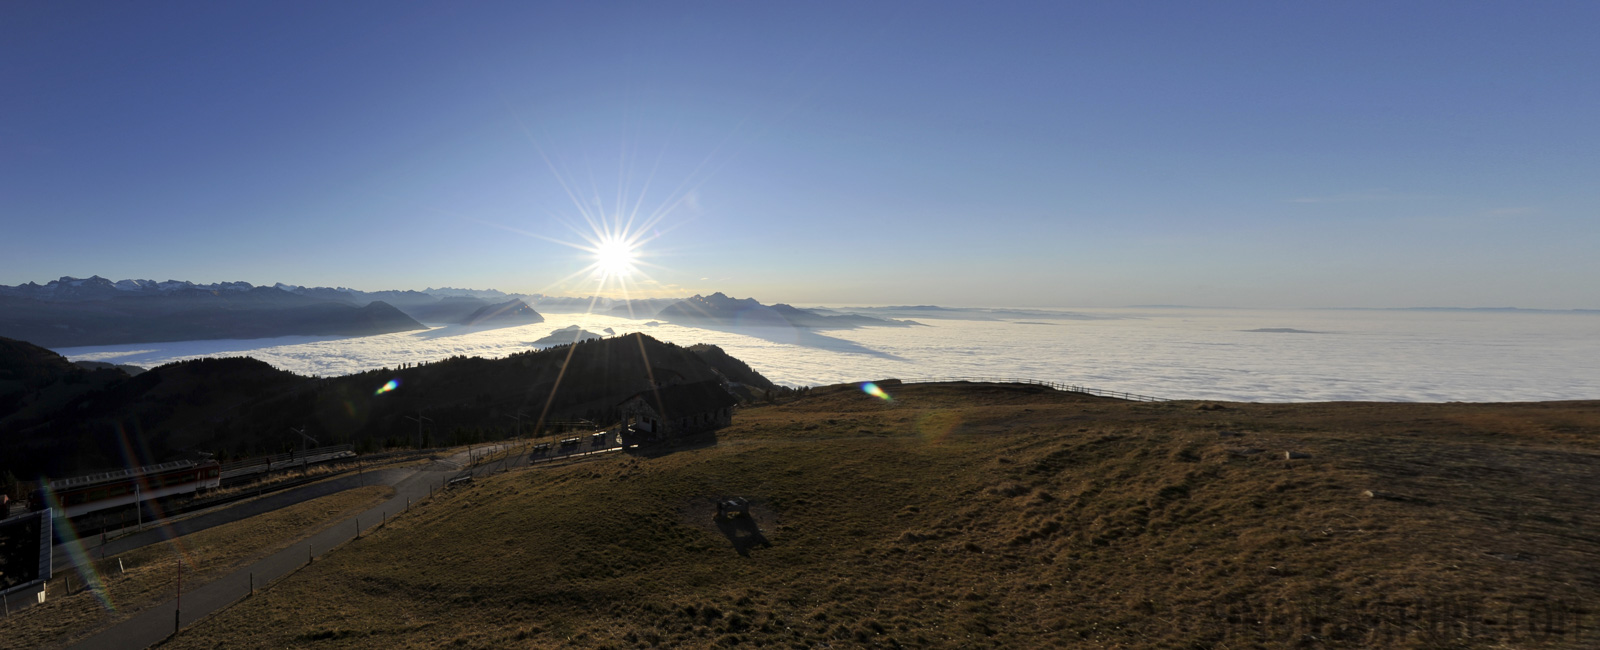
(1002, 516)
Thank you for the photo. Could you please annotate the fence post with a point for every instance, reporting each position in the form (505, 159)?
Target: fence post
(252, 583)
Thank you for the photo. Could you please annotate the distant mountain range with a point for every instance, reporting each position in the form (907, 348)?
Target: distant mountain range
(510, 312)
(486, 294)
(73, 312)
(96, 311)
(639, 307)
(718, 309)
(70, 289)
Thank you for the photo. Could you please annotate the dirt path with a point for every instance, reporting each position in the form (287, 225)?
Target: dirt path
(159, 622)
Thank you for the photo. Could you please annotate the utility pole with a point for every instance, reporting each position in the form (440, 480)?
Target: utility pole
(305, 458)
(302, 432)
(518, 417)
(419, 420)
(177, 614)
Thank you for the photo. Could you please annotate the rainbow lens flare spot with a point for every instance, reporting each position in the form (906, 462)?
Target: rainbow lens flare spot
(393, 384)
(873, 390)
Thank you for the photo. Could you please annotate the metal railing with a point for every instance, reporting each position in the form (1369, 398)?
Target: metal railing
(1064, 387)
(117, 475)
(264, 464)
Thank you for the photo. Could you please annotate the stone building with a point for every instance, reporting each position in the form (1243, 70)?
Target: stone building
(675, 411)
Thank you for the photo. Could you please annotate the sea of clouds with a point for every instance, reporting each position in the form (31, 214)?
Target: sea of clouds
(1178, 353)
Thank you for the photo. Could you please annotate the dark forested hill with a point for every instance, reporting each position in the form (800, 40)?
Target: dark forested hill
(78, 420)
(730, 367)
(26, 367)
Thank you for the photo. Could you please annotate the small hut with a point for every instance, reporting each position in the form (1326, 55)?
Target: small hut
(675, 411)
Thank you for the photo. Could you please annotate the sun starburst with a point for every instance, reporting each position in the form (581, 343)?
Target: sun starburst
(614, 237)
(614, 257)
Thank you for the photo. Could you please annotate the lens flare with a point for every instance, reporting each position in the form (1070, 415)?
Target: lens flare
(393, 384)
(938, 425)
(156, 514)
(873, 390)
(76, 553)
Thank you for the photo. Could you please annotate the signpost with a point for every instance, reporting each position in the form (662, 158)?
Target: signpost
(419, 420)
(25, 552)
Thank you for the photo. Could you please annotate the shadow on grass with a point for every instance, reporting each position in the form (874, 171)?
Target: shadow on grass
(743, 532)
(659, 448)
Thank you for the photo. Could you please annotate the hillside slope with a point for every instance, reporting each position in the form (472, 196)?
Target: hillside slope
(998, 516)
(731, 367)
(88, 420)
(91, 420)
(35, 386)
(26, 367)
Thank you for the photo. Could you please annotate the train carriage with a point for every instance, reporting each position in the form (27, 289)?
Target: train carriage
(81, 495)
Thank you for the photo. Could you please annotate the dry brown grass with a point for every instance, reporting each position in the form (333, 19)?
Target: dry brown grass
(152, 572)
(1000, 516)
(275, 479)
(319, 472)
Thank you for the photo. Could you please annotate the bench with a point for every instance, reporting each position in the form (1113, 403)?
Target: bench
(732, 507)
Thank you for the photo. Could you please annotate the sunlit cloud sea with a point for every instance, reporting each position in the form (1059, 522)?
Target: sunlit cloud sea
(1248, 355)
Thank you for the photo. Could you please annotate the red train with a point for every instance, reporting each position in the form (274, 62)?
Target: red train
(81, 495)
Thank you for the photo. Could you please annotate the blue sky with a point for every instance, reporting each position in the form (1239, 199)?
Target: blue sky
(1052, 154)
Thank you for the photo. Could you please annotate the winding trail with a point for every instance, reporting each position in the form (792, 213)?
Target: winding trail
(156, 623)
(157, 532)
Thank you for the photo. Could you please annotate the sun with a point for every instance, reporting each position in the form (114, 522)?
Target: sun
(614, 257)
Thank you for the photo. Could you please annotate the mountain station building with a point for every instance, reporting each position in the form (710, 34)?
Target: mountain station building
(676, 411)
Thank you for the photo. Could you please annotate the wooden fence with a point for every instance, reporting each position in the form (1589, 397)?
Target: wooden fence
(1070, 388)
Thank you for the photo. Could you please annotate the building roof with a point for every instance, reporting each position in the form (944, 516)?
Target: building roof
(680, 400)
(118, 475)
